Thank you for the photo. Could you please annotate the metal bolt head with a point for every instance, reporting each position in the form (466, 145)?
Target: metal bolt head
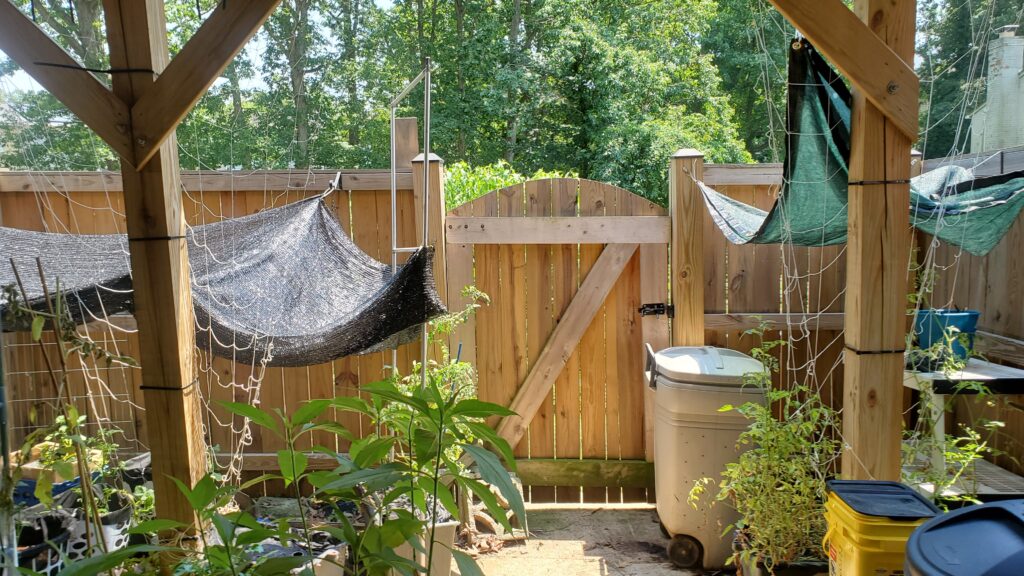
(892, 88)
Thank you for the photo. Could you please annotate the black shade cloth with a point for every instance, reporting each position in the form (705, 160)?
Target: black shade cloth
(286, 283)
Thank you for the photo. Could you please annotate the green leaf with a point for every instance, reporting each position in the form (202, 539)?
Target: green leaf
(386, 475)
(352, 404)
(444, 494)
(332, 427)
(485, 432)
(44, 488)
(309, 411)
(489, 499)
(369, 451)
(155, 526)
(254, 414)
(474, 408)
(201, 495)
(37, 327)
(467, 565)
(292, 463)
(102, 563)
(254, 536)
(390, 392)
(493, 473)
(283, 565)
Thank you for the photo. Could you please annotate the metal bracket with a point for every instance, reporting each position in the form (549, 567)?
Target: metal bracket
(657, 309)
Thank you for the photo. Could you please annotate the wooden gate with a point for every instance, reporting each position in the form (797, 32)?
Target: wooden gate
(567, 264)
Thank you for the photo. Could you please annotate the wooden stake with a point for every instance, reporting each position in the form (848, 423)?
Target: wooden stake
(877, 256)
(160, 275)
(686, 208)
(435, 233)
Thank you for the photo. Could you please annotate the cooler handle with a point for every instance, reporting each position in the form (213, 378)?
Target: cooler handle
(651, 365)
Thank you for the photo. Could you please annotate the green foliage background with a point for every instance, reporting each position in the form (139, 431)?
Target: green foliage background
(604, 89)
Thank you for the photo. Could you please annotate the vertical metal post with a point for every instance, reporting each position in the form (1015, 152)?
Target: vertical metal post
(426, 205)
(394, 217)
(7, 532)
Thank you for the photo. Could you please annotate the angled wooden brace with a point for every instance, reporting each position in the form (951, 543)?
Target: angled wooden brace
(102, 111)
(193, 71)
(875, 69)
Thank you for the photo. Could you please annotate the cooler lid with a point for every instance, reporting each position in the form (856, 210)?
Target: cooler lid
(986, 540)
(883, 499)
(705, 365)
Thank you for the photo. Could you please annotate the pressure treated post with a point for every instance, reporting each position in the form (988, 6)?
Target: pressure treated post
(160, 274)
(877, 256)
(686, 208)
(435, 231)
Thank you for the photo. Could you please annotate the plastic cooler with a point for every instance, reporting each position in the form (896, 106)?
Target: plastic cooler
(694, 440)
(869, 523)
(986, 540)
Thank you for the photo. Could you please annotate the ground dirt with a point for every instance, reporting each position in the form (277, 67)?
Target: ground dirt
(596, 540)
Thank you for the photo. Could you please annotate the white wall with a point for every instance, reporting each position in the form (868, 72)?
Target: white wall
(1000, 122)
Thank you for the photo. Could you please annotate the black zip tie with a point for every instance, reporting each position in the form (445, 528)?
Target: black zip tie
(870, 352)
(153, 238)
(71, 9)
(182, 389)
(875, 182)
(95, 70)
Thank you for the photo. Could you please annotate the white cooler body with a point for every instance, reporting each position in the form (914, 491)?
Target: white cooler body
(693, 439)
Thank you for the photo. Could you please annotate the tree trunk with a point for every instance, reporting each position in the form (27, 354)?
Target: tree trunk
(296, 56)
(512, 124)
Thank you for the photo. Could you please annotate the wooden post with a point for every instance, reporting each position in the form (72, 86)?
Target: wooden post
(407, 142)
(435, 231)
(877, 256)
(160, 275)
(686, 208)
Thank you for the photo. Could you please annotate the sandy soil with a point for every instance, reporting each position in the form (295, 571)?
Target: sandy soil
(569, 540)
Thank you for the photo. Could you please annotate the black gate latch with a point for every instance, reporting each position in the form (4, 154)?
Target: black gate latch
(657, 309)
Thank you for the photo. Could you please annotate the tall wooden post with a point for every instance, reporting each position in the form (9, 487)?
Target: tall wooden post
(686, 208)
(137, 34)
(435, 223)
(877, 256)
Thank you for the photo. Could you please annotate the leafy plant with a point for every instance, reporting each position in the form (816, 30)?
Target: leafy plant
(464, 183)
(777, 485)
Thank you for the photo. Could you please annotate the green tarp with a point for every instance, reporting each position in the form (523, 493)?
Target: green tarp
(949, 202)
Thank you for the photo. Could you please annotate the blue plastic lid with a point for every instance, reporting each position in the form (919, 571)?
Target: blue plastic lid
(883, 499)
(986, 540)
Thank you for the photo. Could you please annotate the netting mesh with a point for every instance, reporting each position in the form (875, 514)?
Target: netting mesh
(285, 284)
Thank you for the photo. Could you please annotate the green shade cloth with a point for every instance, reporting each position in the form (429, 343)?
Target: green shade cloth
(974, 213)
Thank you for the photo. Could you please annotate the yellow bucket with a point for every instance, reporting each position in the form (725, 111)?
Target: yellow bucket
(869, 523)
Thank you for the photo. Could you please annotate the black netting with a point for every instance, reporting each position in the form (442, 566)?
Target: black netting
(285, 283)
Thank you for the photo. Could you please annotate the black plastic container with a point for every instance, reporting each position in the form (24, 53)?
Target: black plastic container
(985, 540)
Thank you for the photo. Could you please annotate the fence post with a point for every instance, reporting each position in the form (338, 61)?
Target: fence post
(686, 208)
(435, 221)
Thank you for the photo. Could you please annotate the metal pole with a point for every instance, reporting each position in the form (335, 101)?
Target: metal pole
(426, 205)
(394, 217)
(7, 532)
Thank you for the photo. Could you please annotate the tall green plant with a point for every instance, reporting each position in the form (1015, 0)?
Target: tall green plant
(777, 485)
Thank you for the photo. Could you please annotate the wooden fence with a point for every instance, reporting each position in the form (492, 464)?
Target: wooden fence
(566, 263)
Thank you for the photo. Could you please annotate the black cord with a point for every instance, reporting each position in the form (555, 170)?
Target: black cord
(96, 70)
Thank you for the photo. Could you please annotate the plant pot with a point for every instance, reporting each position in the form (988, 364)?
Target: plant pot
(802, 568)
(330, 562)
(114, 527)
(43, 543)
(444, 541)
(932, 324)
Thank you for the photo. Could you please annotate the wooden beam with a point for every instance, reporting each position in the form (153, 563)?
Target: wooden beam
(998, 347)
(436, 217)
(586, 473)
(87, 98)
(768, 174)
(564, 338)
(559, 230)
(866, 58)
(137, 35)
(157, 114)
(686, 208)
(877, 254)
(312, 181)
(268, 462)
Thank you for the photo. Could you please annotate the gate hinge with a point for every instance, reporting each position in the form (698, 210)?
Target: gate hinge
(657, 309)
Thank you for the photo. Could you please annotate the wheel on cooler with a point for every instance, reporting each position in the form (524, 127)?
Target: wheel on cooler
(685, 551)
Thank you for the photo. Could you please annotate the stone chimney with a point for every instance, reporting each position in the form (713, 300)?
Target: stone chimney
(999, 123)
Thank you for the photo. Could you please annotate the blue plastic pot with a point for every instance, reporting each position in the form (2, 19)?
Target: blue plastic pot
(932, 324)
